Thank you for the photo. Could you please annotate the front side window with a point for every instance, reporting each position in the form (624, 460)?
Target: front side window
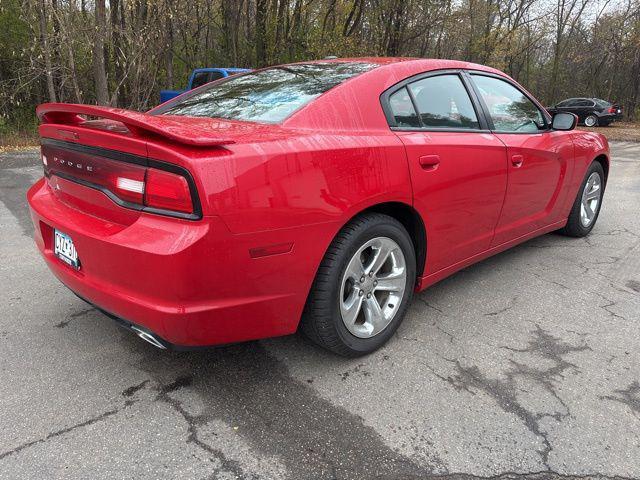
(509, 108)
(199, 79)
(269, 95)
(443, 102)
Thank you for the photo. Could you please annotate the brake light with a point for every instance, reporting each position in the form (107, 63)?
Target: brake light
(167, 191)
(612, 110)
(130, 185)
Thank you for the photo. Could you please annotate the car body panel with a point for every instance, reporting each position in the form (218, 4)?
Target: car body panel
(274, 197)
(535, 196)
(459, 200)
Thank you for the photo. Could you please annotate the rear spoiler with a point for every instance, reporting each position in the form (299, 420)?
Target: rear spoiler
(185, 130)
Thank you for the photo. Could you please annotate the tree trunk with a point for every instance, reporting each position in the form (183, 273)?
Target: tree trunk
(118, 73)
(99, 71)
(261, 32)
(169, 52)
(46, 49)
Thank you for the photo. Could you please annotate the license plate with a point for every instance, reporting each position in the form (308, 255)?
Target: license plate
(65, 250)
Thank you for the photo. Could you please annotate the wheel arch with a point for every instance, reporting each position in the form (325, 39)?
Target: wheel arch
(412, 222)
(603, 160)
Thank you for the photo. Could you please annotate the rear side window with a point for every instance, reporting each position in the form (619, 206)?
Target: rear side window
(402, 109)
(268, 96)
(509, 108)
(443, 102)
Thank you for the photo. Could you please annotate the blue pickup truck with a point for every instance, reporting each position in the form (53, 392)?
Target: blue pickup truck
(199, 77)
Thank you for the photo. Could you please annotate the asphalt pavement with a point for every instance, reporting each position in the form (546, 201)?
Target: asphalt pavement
(526, 365)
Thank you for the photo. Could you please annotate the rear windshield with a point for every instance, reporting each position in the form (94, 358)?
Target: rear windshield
(268, 96)
(602, 103)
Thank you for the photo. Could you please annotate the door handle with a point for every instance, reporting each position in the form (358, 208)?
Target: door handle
(516, 160)
(429, 162)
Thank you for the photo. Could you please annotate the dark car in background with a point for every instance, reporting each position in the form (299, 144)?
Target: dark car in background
(591, 112)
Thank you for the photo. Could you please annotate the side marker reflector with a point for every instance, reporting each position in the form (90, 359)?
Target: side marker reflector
(268, 250)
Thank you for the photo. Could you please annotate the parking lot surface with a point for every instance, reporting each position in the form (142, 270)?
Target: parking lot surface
(524, 365)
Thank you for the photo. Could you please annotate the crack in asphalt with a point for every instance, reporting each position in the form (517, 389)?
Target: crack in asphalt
(544, 279)
(629, 396)
(510, 305)
(505, 391)
(63, 431)
(420, 299)
(607, 307)
(633, 285)
(194, 422)
(277, 415)
(75, 315)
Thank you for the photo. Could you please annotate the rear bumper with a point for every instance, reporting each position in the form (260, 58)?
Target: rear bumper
(610, 117)
(191, 283)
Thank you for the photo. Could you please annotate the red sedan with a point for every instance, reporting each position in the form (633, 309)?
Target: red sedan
(316, 196)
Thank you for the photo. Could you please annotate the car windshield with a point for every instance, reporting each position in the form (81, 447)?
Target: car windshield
(601, 103)
(269, 95)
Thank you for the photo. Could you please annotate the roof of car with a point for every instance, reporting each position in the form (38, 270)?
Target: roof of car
(348, 106)
(425, 63)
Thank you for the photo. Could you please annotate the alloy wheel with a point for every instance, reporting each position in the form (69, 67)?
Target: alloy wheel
(373, 286)
(590, 202)
(590, 121)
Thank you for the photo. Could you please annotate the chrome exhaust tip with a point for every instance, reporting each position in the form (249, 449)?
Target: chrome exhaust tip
(147, 337)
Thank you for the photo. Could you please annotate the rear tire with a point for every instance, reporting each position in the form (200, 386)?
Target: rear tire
(586, 209)
(591, 121)
(340, 314)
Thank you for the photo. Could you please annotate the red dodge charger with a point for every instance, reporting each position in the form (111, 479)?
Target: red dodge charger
(315, 196)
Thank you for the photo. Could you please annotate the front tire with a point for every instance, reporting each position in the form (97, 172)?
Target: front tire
(586, 206)
(591, 121)
(363, 287)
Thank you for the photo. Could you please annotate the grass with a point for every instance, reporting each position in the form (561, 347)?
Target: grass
(621, 131)
(17, 141)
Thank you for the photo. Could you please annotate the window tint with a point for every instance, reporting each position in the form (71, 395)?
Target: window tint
(402, 109)
(443, 102)
(509, 108)
(269, 95)
(200, 79)
(602, 103)
(566, 103)
(585, 103)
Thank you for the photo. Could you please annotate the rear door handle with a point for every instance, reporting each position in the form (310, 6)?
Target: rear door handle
(516, 160)
(429, 162)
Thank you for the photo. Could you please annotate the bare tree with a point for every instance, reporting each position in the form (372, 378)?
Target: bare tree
(99, 70)
(46, 50)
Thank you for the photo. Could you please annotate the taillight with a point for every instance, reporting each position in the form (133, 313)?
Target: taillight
(612, 110)
(167, 191)
(131, 185)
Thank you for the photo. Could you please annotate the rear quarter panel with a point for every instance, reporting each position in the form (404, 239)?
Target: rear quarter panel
(304, 180)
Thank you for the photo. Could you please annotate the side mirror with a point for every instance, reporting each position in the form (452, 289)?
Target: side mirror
(564, 121)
